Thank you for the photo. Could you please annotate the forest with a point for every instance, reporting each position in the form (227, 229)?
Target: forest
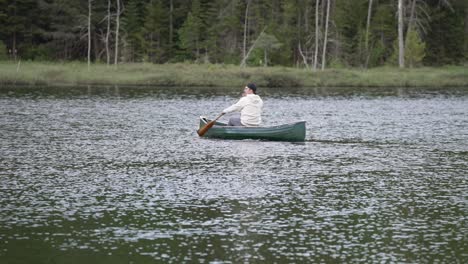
(313, 34)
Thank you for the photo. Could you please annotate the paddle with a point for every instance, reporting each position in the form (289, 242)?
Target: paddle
(203, 130)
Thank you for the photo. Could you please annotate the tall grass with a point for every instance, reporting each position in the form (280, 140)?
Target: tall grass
(183, 74)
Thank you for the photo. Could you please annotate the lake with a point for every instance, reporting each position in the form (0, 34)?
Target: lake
(119, 175)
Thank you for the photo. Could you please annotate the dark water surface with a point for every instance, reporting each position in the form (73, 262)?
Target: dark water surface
(119, 175)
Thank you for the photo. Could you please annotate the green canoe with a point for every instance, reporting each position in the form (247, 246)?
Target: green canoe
(288, 132)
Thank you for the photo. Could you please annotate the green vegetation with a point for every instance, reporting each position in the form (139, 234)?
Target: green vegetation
(183, 74)
(361, 33)
(414, 49)
(3, 52)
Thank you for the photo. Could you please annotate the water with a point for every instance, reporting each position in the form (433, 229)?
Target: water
(119, 175)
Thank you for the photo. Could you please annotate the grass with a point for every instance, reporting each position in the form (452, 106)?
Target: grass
(183, 74)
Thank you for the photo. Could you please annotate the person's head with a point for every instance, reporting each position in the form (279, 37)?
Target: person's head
(251, 88)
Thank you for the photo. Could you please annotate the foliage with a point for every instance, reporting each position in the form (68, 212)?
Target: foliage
(267, 43)
(213, 30)
(190, 33)
(154, 30)
(3, 51)
(350, 20)
(414, 49)
(446, 36)
(383, 34)
(36, 53)
(132, 24)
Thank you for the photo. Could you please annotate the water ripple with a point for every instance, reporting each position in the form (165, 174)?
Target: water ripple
(123, 177)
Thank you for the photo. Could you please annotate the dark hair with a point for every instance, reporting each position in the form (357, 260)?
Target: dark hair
(252, 87)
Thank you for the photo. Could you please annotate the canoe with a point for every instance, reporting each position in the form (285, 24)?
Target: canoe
(288, 132)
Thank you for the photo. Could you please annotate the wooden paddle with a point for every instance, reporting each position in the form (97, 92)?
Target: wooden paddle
(203, 130)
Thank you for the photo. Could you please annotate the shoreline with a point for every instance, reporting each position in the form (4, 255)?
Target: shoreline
(220, 75)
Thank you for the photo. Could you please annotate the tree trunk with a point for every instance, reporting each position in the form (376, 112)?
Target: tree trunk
(304, 58)
(317, 4)
(13, 50)
(401, 45)
(108, 32)
(369, 14)
(89, 34)
(299, 35)
(466, 30)
(325, 36)
(117, 28)
(171, 26)
(265, 57)
(411, 20)
(246, 19)
(95, 47)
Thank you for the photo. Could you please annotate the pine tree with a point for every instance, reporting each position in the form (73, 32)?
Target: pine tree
(268, 43)
(155, 30)
(382, 34)
(133, 24)
(212, 30)
(414, 49)
(350, 20)
(226, 32)
(445, 39)
(287, 29)
(190, 32)
(17, 24)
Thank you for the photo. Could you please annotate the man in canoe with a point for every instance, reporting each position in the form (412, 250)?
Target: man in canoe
(250, 106)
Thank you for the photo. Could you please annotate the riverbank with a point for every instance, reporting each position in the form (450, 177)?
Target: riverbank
(181, 74)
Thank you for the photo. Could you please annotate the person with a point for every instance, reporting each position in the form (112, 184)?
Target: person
(250, 108)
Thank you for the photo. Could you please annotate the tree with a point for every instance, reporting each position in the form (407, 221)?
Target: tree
(415, 49)
(171, 22)
(369, 14)
(466, 31)
(325, 36)
(445, 39)
(383, 35)
(213, 29)
(117, 31)
(133, 22)
(352, 29)
(89, 32)
(401, 45)
(16, 22)
(108, 32)
(226, 31)
(254, 45)
(267, 43)
(246, 19)
(189, 34)
(154, 29)
(317, 3)
(313, 33)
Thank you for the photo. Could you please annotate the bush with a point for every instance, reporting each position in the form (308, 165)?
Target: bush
(36, 53)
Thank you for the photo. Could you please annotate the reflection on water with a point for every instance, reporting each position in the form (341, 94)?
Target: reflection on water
(115, 175)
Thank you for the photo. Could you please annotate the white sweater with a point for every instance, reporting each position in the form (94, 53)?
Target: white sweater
(250, 107)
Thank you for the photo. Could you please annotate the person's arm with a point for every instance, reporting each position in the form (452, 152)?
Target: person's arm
(236, 107)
